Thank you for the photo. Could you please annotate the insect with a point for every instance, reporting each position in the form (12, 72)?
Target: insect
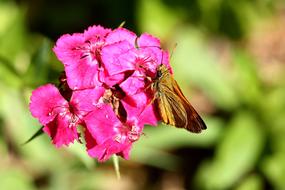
(113, 97)
(173, 106)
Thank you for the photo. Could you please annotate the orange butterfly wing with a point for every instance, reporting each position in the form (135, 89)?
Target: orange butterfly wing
(173, 106)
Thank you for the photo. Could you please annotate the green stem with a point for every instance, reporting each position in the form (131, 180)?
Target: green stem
(116, 166)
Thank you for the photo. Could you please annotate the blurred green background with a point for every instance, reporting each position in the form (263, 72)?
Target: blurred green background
(229, 61)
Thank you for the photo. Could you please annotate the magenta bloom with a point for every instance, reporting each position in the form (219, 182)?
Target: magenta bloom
(81, 55)
(60, 117)
(124, 56)
(108, 73)
(110, 134)
(55, 114)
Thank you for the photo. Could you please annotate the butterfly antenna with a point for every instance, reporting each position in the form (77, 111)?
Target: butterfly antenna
(173, 50)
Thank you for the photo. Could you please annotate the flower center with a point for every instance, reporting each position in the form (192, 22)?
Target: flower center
(127, 133)
(91, 50)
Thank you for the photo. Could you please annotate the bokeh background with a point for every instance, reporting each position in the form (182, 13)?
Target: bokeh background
(229, 61)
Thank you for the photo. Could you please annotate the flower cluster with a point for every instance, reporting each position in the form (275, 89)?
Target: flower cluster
(104, 88)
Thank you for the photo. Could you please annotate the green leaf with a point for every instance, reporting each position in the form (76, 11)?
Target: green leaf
(8, 74)
(253, 182)
(12, 30)
(273, 109)
(157, 141)
(235, 155)
(13, 179)
(158, 137)
(273, 167)
(79, 150)
(246, 77)
(156, 18)
(154, 157)
(38, 70)
(19, 124)
(193, 63)
(38, 133)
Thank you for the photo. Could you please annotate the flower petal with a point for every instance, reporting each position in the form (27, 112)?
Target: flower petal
(111, 80)
(80, 60)
(68, 48)
(118, 58)
(46, 102)
(104, 151)
(101, 122)
(85, 101)
(144, 111)
(96, 33)
(150, 46)
(166, 62)
(90, 141)
(133, 84)
(147, 40)
(61, 131)
(121, 34)
(111, 136)
(83, 74)
(149, 116)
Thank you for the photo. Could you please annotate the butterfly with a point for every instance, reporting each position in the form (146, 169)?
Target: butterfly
(173, 106)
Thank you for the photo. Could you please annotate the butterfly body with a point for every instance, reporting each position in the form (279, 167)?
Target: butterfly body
(173, 106)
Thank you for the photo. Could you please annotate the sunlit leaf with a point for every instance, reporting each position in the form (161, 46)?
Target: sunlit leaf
(8, 74)
(253, 182)
(12, 32)
(156, 18)
(274, 168)
(12, 179)
(194, 64)
(236, 154)
(79, 151)
(246, 77)
(38, 70)
(156, 141)
(35, 135)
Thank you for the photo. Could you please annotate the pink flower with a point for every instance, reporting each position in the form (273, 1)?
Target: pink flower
(107, 135)
(110, 134)
(121, 34)
(60, 117)
(112, 55)
(124, 56)
(80, 54)
(105, 90)
(143, 109)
